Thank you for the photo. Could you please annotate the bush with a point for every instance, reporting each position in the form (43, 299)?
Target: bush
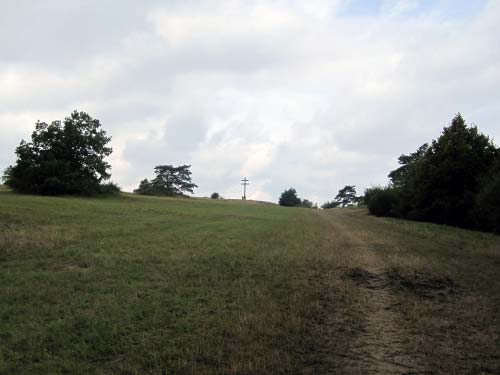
(331, 204)
(53, 186)
(382, 201)
(487, 210)
(306, 203)
(109, 188)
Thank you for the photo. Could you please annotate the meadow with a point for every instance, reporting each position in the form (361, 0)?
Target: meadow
(148, 285)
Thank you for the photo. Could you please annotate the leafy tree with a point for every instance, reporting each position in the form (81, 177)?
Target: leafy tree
(289, 198)
(445, 181)
(62, 158)
(453, 181)
(215, 196)
(169, 181)
(346, 196)
(399, 177)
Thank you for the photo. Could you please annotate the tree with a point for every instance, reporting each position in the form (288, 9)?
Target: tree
(382, 201)
(399, 177)
(444, 182)
(289, 198)
(328, 205)
(306, 203)
(62, 158)
(169, 181)
(487, 211)
(455, 180)
(215, 196)
(346, 196)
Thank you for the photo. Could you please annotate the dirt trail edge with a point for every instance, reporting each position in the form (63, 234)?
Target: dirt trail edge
(378, 347)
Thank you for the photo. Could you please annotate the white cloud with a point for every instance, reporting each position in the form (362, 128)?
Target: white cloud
(288, 93)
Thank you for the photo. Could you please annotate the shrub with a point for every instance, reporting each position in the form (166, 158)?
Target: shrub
(331, 204)
(109, 188)
(382, 201)
(487, 210)
(306, 203)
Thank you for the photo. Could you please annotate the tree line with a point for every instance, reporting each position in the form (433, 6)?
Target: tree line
(454, 180)
(346, 197)
(68, 158)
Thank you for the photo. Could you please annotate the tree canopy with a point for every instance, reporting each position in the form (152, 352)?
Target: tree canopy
(399, 176)
(62, 158)
(442, 185)
(289, 198)
(346, 196)
(453, 181)
(169, 181)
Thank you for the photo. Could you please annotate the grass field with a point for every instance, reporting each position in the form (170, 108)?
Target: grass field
(145, 285)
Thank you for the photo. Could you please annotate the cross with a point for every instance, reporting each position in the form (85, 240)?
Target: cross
(245, 182)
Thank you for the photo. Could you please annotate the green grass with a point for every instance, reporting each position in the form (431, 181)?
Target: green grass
(136, 285)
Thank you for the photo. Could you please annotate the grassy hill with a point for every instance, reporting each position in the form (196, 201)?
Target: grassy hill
(136, 285)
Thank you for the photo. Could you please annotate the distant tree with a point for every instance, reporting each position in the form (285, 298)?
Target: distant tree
(147, 187)
(62, 158)
(215, 196)
(346, 196)
(169, 181)
(306, 203)
(289, 198)
(328, 205)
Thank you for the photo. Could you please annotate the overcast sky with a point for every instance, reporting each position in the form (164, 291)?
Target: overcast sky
(311, 94)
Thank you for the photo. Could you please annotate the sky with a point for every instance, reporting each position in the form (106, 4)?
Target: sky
(312, 94)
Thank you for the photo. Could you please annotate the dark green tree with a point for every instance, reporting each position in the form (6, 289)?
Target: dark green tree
(169, 181)
(289, 198)
(306, 203)
(346, 196)
(399, 177)
(445, 181)
(215, 196)
(62, 158)
(328, 205)
(487, 212)
(382, 201)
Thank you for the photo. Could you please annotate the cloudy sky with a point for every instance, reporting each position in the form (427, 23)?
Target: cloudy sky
(311, 94)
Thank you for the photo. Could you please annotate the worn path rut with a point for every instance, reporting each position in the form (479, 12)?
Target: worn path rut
(378, 347)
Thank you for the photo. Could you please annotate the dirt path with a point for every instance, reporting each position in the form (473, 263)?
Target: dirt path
(378, 347)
